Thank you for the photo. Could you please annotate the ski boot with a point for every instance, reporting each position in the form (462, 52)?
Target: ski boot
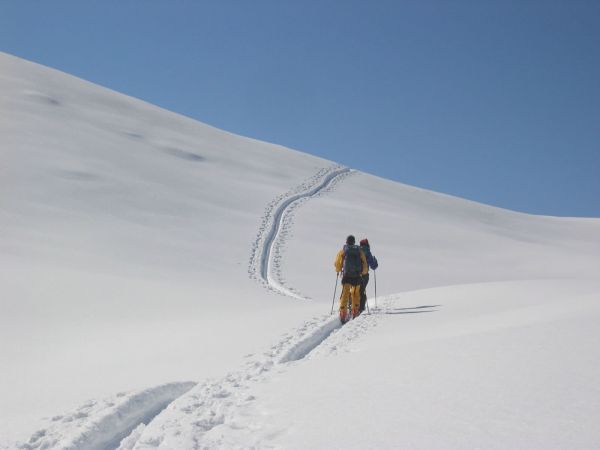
(344, 316)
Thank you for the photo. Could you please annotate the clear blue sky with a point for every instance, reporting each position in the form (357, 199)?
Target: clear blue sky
(495, 101)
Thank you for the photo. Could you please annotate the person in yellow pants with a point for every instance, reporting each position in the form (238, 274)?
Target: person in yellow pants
(352, 263)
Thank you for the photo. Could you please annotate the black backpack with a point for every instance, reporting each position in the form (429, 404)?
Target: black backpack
(352, 261)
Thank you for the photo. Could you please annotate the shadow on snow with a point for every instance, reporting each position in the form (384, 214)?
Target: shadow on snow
(411, 310)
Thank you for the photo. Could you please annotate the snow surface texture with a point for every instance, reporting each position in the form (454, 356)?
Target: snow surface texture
(101, 425)
(266, 252)
(136, 246)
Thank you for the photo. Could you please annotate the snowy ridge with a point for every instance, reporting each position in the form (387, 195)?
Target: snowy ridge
(99, 425)
(277, 220)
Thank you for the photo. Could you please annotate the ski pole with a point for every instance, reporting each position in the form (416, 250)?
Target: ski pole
(375, 279)
(334, 291)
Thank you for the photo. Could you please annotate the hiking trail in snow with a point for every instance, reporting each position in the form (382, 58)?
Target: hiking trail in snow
(222, 413)
(216, 413)
(211, 413)
(98, 425)
(267, 249)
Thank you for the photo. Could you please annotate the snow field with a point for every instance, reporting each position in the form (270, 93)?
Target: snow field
(130, 257)
(491, 365)
(124, 244)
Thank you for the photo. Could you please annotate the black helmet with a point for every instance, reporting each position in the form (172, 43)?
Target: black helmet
(350, 240)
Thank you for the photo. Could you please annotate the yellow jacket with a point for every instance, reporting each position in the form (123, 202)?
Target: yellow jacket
(339, 262)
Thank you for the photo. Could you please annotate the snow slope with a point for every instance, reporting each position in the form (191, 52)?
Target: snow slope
(141, 249)
(125, 241)
(510, 365)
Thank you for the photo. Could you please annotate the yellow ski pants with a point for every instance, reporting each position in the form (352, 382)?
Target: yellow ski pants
(349, 291)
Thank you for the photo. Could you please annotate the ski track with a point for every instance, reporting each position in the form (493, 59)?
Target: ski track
(267, 249)
(100, 425)
(219, 414)
(199, 416)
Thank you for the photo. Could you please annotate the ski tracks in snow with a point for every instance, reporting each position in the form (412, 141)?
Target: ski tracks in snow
(215, 413)
(222, 414)
(99, 425)
(277, 220)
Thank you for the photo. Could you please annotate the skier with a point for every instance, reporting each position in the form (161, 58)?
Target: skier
(371, 263)
(352, 263)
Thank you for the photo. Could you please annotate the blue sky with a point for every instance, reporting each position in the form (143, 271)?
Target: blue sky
(495, 101)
